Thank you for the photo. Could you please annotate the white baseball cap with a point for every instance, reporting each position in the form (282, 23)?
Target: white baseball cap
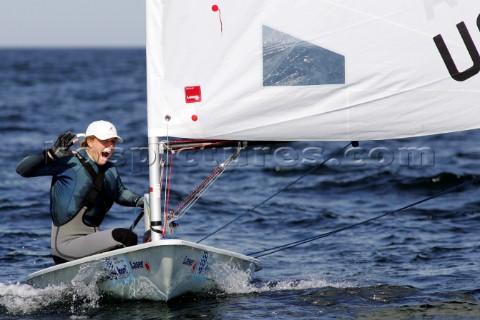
(103, 130)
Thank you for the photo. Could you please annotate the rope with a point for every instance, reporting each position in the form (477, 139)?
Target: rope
(188, 202)
(167, 198)
(355, 144)
(324, 235)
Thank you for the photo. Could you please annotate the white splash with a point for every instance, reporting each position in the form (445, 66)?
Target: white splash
(85, 292)
(233, 281)
(23, 299)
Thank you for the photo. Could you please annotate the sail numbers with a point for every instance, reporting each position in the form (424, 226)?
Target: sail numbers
(472, 50)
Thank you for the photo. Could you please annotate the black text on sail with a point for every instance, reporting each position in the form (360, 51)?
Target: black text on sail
(472, 50)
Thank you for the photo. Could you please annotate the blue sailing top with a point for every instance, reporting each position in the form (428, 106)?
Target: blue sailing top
(71, 183)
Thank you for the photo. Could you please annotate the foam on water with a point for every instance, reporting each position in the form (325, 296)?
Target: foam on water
(23, 299)
(234, 281)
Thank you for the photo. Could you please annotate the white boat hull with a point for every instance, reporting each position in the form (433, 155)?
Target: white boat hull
(154, 271)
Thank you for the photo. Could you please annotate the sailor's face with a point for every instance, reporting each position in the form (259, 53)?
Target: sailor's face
(101, 150)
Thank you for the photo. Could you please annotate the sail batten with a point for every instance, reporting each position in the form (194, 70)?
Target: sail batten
(300, 70)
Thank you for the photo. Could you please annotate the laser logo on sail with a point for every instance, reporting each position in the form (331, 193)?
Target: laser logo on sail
(193, 94)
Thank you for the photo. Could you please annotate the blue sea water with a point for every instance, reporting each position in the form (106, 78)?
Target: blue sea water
(418, 263)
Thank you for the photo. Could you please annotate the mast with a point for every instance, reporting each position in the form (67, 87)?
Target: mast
(154, 156)
(154, 151)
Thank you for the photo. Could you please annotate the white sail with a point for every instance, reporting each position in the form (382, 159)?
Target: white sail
(312, 69)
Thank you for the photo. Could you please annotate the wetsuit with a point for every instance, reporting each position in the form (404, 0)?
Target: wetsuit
(75, 229)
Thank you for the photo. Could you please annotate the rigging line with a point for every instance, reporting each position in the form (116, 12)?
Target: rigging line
(167, 199)
(166, 153)
(324, 235)
(189, 201)
(353, 143)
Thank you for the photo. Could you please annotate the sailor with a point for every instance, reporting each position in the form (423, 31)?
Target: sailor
(84, 186)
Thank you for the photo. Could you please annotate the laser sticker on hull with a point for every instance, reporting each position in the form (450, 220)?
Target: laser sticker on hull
(140, 265)
(117, 267)
(198, 266)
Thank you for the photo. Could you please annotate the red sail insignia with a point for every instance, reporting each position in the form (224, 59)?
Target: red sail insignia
(193, 94)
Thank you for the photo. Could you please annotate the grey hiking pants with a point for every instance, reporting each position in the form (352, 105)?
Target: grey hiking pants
(75, 240)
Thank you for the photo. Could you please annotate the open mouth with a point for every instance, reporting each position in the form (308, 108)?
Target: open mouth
(106, 153)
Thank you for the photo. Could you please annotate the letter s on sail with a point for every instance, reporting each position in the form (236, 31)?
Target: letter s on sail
(472, 50)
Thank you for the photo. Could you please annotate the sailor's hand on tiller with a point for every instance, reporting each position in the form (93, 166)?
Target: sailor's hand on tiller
(139, 202)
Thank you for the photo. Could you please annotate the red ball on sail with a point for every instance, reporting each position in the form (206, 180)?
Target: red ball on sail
(194, 117)
(214, 8)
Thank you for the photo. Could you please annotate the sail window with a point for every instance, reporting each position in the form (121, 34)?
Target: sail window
(288, 61)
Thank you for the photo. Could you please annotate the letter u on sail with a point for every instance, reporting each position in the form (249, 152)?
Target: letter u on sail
(450, 63)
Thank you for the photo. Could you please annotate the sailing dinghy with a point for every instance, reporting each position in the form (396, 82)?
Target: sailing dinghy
(282, 70)
(156, 271)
